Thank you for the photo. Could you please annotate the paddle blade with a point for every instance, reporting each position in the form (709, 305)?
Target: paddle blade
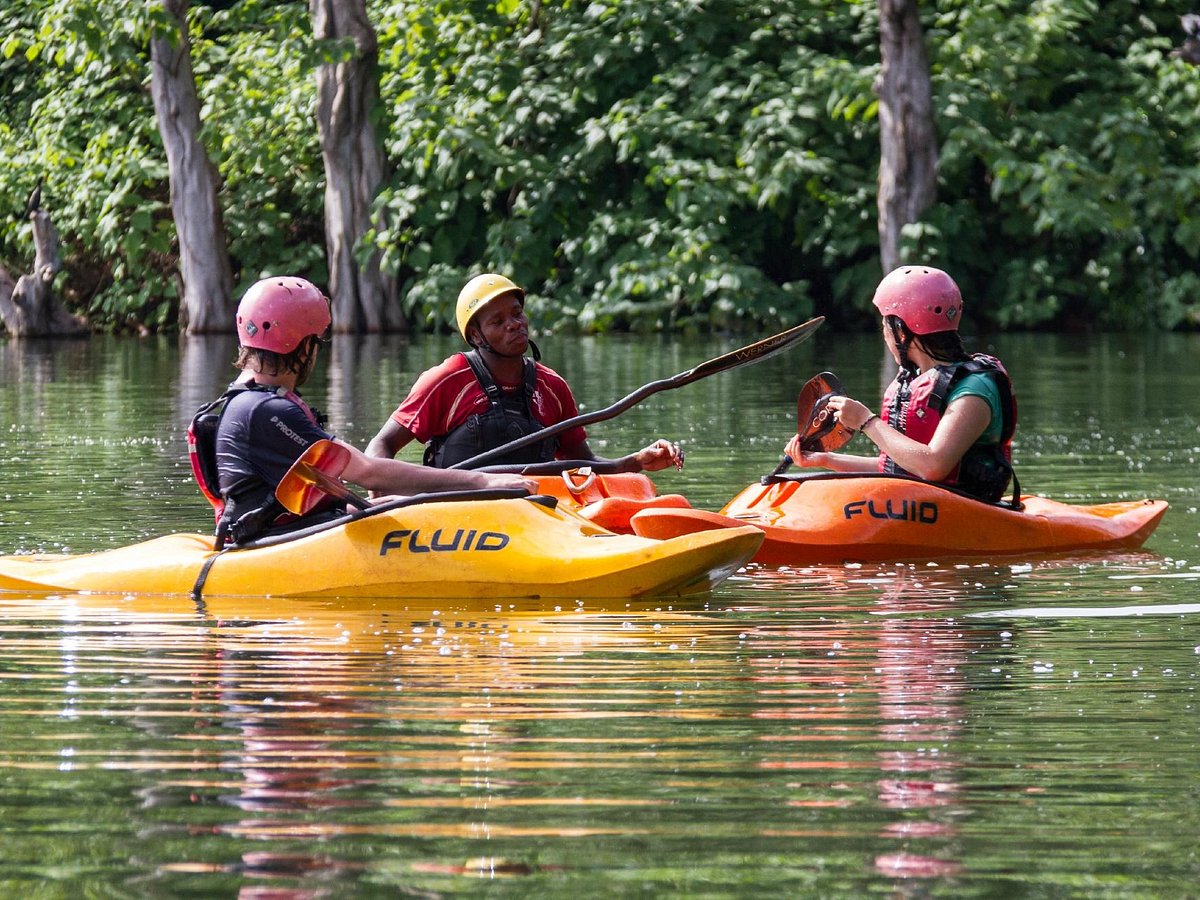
(315, 476)
(753, 353)
(819, 430)
(757, 352)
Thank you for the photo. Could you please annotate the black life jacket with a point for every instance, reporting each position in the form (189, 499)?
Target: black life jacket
(509, 416)
(914, 406)
(234, 522)
(202, 445)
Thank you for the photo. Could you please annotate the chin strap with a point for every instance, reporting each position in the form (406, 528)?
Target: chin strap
(484, 345)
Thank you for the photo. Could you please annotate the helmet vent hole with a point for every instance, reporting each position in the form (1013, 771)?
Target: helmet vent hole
(937, 310)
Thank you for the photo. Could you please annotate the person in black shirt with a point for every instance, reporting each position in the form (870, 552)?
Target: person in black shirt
(265, 425)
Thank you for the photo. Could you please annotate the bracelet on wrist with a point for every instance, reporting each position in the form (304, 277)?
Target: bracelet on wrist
(866, 422)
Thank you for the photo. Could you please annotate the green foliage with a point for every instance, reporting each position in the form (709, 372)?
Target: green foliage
(79, 117)
(1069, 180)
(81, 114)
(636, 164)
(649, 164)
(254, 68)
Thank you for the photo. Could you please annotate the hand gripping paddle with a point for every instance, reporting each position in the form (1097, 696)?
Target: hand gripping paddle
(819, 429)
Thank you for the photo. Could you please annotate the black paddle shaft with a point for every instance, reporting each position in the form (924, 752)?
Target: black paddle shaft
(753, 353)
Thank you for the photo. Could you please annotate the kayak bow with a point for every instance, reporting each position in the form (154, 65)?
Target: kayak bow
(609, 501)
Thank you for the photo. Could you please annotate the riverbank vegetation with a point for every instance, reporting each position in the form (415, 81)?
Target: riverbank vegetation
(637, 164)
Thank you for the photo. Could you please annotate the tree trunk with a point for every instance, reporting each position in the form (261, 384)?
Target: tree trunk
(28, 307)
(907, 133)
(203, 256)
(364, 298)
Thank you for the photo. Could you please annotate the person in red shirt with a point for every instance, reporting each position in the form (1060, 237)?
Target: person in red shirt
(493, 394)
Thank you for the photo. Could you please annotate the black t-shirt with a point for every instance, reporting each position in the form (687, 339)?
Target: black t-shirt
(259, 437)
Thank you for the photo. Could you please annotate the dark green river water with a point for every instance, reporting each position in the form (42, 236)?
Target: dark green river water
(948, 728)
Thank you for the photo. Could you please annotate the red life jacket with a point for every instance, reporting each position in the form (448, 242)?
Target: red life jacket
(914, 406)
(202, 448)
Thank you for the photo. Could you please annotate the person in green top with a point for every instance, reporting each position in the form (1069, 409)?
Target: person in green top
(949, 416)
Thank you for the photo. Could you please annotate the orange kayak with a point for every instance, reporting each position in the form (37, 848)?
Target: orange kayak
(833, 518)
(609, 501)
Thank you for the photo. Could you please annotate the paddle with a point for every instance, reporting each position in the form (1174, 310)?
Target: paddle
(752, 353)
(818, 428)
(314, 476)
(556, 467)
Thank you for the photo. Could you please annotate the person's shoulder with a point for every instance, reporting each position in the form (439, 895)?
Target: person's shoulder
(980, 384)
(453, 365)
(252, 398)
(257, 409)
(548, 375)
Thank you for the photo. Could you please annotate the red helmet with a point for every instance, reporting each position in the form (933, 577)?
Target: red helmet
(922, 297)
(277, 313)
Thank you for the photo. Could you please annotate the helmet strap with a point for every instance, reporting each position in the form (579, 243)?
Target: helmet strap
(903, 338)
(484, 345)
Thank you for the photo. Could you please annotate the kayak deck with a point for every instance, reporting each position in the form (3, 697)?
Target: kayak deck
(609, 500)
(842, 518)
(481, 549)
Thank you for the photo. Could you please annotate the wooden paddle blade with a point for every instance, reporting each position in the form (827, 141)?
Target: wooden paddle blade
(814, 389)
(819, 429)
(314, 476)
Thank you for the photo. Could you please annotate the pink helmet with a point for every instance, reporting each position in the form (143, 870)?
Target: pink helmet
(277, 313)
(922, 297)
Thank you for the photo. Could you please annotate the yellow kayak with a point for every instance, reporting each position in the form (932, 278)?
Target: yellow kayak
(419, 547)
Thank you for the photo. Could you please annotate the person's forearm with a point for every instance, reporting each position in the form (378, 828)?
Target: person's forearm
(410, 478)
(846, 462)
(379, 448)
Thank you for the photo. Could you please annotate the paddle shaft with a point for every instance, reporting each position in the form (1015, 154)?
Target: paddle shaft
(556, 467)
(335, 487)
(744, 356)
(784, 465)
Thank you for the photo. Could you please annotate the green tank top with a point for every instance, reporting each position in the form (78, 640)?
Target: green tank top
(978, 384)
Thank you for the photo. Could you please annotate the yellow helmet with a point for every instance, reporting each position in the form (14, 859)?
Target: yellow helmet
(477, 293)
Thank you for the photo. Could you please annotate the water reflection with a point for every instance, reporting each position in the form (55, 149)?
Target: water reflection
(886, 669)
(298, 717)
(205, 369)
(829, 717)
(920, 668)
(806, 732)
